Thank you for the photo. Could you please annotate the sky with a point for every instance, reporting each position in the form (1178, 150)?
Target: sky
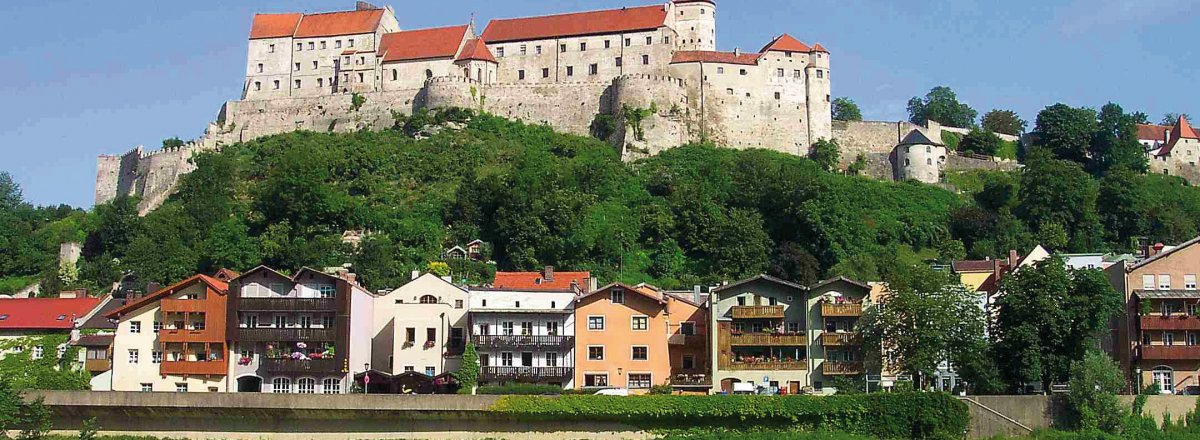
(81, 78)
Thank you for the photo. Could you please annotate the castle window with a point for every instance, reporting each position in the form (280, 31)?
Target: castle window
(777, 95)
(593, 69)
(645, 60)
(789, 54)
(297, 84)
(826, 98)
(323, 45)
(299, 47)
(520, 74)
(312, 45)
(607, 44)
(928, 149)
(271, 49)
(429, 74)
(297, 67)
(362, 60)
(350, 42)
(628, 42)
(537, 49)
(562, 48)
(703, 11)
(257, 86)
(720, 70)
(743, 72)
(260, 68)
(779, 73)
(276, 84)
(500, 51)
(583, 47)
(820, 73)
(929, 161)
(729, 92)
(360, 77)
(906, 163)
(395, 75)
(618, 60)
(649, 40)
(545, 72)
(797, 74)
(570, 70)
(320, 82)
(337, 44)
(747, 94)
(666, 39)
(314, 65)
(523, 49)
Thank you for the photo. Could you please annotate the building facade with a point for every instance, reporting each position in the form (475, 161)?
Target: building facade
(524, 336)
(420, 327)
(621, 338)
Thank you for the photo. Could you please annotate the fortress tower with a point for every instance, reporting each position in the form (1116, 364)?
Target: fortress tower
(695, 23)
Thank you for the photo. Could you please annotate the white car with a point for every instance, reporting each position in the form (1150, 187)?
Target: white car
(613, 392)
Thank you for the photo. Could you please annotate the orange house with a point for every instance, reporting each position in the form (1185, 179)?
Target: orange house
(621, 338)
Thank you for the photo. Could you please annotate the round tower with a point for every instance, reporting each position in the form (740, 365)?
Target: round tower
(695, 24)
(820, 106)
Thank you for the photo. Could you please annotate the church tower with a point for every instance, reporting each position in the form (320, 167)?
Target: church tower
(696, 24)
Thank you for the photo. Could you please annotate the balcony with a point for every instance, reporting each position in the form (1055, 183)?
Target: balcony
(519, 342)
(680, 339)
(527, 374)
(690, 377)
(188, 335)
(286, 334)
(185, 306)
(840, 339)
(1170, 352)
(97, 365)
(833, 368)
(302, 366)
(1170, 322)
(765, 366)
(287, 305)
(836, 310)
(757, 312)
(768, 339)
(180, 368)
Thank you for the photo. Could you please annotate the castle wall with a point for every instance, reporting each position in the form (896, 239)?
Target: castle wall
(268, 68)
(867, 137)
(568, 107)
(575, 62)
(107, 177)
(956, 162)
(671, 125)
(696, 24)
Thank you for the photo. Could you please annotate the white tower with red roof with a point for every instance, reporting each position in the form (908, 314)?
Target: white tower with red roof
(695, 23)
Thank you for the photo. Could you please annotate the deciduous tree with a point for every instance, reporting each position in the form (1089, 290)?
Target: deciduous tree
(1066, 131)
(941, 105)
(1003, 121)
(844, 109)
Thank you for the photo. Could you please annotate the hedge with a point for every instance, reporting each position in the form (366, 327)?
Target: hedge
(887, 416)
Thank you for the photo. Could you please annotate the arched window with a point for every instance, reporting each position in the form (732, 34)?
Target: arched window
(394, 75)
(306, 385)
(428, 74)
(479, 75)
(331, 385)
(429, 299)
(1164, 377)
(281, 385)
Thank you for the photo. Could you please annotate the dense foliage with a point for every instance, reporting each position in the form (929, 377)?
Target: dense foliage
(886, 416)
(1003, 121)
(844, 109)
(43, 362)
(941, 105)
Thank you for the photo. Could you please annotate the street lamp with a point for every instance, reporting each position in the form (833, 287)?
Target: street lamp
(366, 378)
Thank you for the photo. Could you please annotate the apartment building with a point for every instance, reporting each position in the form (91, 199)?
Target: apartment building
(307, 333)
(173, 339)
(621, 338)
(419, 333)
(524, 336)
(836, 304)
(688, 342)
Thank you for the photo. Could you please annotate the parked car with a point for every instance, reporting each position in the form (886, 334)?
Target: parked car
(613, 392)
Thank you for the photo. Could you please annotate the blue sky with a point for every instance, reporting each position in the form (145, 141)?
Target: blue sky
(89, 77)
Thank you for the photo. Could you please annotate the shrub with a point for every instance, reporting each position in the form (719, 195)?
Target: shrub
(520, 389)
(660, 390)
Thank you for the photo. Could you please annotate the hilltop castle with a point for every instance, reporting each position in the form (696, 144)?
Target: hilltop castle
(646, 78)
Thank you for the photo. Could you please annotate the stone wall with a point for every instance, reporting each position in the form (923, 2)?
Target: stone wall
(867, 137)
(959, 162)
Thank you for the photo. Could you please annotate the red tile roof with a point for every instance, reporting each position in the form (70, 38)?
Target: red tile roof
(220, 286)
(339, 23)
(422, 44)
(819, 48)
(1152, 132)
(44, 313)
(274, 25)
(476, 49)
(974, 266)
(536, 280)
(693, 56)
(572, 25)
(786, 43)
(1181, 130)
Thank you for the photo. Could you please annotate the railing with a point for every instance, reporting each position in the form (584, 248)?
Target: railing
(768, 339)
(287, 304)
(732, 365)
(840, 339)
(527, 373)
(848, 309)
(690, 377)
(1170, 322)
(520, 341)
(214, 368)
(97, 365)
(834, 368)
(286, 334)
(682, 339)
(184, 305)
(1170, 352)
(757, 312)
(301, 366)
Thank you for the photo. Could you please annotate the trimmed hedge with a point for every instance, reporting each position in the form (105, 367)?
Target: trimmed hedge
(520, 389)
(887, 416)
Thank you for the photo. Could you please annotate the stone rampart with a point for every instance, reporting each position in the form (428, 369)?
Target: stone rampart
(964, 162)
(452, 91)
(568, 107)
(667, 110)
(866, 137)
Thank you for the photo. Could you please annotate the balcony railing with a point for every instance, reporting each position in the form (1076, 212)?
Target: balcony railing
(212, 368)
(840, 339)
(768, 339)
(97, 365)
(834, 368)
(287, 305)
(519, 341)
(184, 305)
(301, 366)
(531, 374)
(1170, 352)
(690, 377)
(848, 309)
(286, 334)
(727, 362)
(757, 312)
(1170, 322)
(190, 335)
(686, 340)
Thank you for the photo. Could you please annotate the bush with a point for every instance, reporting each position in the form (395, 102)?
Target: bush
(887, 416)
(520, 389)
(660, 390)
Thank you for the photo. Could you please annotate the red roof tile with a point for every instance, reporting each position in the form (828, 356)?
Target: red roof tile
(974, 266)
(44, 313)
(819, 48)
(422, 44)
(1152, 132)
(220, 286)
(571, 25)
(339, 23)
(274, 25)
(693, 56)
(786, 43)
(476, 49)
(536, 280)
(1181, 130)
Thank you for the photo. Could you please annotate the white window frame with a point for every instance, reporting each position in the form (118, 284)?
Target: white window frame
(633, 323)
(276, 381)
(617, 296)
(134, 356)
(336, 387)
(603, 352)
(604, 375)
(629, 380)
(596, 329)
(306, 385)
(135, 327)
(1189, 282)
(1164, 282)
(633, 350)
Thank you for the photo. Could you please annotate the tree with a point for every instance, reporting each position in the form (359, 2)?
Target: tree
(438, 268)
(792, 262)
(1140, 118)
(1058, 191)
(1095, 382)
(173, 142)
(1003, 121)
(1170, 119)
(844, 109)
(1115, 143)
(10, 192)
(826, 154)
(924, 319)
(468, 373)
(1066, 131)
(1121, 205)
(941, 105)
(981, 142)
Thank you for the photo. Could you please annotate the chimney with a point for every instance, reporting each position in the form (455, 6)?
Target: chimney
(415, 274)
(1154, 250)
(1013, 256)
(696, 294)
(68, 294)
(548, 273)
(737, 51)
(1166, 135)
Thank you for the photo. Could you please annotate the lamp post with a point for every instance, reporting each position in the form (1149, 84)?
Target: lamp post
(366, 378)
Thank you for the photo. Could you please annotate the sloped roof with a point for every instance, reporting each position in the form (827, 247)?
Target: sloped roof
(974, 266)
(274, 25)
(840, 279)
(786, 43)
(422, 44)
(535, 280)
(693, 56)
(476, 49)
(1152, 132)
(763, 277)
(339, 23)
(95, 340)
(220, 286)
(1163, 254)
(643, 289)
(577, 24)
(1181, 130)
(99, 320)
(916, 137)
(819, 48)
(44, 313)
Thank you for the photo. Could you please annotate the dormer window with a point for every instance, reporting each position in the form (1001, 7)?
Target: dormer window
(617, 296)
(3, 317)
(537, 281)
(61, 317)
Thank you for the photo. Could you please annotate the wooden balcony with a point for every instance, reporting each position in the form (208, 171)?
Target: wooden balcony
(840, 339)
(287, 305)
(1169, 322)
(838, 310)
(757, 312)
(206, 368)
(680, 339)
(521, 342)
(833, 368)
(186, 335)
(286, 334)
(696, 377)
(765, 366)
(97, 365)
(185, 306)
(1170, 352)
(768, 339)
(315, 366)
(527, 374)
